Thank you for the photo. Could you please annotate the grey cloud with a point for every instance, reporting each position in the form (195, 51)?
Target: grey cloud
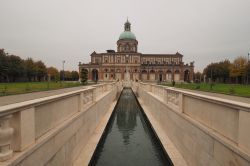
(56, 30)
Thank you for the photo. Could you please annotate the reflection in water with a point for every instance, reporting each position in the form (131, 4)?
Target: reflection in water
(126, 116)
(128, 139)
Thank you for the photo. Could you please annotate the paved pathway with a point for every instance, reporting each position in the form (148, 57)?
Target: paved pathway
(29, 96)
(4, 100)
(229, 97)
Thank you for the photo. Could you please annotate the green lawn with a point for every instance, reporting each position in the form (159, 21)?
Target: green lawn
(230, 89)
(26, 87)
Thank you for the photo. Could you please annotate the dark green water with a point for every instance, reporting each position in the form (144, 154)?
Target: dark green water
(128, 139)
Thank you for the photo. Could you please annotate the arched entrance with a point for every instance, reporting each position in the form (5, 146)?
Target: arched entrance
(160, 76)
(177, 75)
(152, 75)
(169, 76)
(144, 75)
(186, 76)
(95, 75)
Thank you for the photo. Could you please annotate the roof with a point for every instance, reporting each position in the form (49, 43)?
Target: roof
(127, 35)
(177, 54)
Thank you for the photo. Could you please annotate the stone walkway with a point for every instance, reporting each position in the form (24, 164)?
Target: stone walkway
(5, 100)
(29, 96)
(229, 97)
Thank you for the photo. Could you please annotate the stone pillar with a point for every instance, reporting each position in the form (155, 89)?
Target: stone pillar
(180, 102)
(191, 75)
(244, 132)
(100, 75)
(6, 133)
(80, 102)
(182, 72)
(164, 76)
(122, 75)
(90, 74)
(23, 123)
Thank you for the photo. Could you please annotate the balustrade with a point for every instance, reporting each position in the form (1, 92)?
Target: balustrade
(6, 134)
(228, 118)
(21, 124)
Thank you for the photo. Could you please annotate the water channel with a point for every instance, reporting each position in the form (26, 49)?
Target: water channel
(128, 138)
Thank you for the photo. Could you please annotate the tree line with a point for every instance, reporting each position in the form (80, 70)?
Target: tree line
(237, 71)
(15, 69)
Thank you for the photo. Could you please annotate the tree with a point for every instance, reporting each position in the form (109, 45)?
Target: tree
(224, 70)
(53, 73)
(198, 77)
(15, 67)
(3, 66)
(41, 70)
(238, 69)
(30, 69)
(218, 71)
(248, 72)
(67, 75)
(74, 75)
(84, 76)
(211, 71)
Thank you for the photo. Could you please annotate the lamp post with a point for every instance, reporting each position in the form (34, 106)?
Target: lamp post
(114, 66)
(63, 70)
(248, 66)
(172, 70)
(211, 76)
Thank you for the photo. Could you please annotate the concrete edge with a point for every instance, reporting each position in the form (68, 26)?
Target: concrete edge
(88, 150)
(217, 136)
(19, 156)
(236, 104)
(169, 147)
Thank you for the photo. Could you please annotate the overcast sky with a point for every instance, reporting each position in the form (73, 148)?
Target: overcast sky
(203, 31)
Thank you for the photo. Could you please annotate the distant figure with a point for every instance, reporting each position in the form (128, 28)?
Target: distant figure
(173, 83)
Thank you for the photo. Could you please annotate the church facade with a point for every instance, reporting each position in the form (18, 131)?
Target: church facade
(128, 62)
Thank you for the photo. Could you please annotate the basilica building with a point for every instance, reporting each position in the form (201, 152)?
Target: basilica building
(128, 62)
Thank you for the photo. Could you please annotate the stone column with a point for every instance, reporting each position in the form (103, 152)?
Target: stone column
(244, 132)
(180, 102)
(80, 102)
(23, 123)
(6, 133)
(101, 76)
(90, 74)
(181, 72)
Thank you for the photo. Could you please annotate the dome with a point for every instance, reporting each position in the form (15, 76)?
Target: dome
(127, 35)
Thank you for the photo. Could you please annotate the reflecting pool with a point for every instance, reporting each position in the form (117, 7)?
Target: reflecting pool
(128, 139)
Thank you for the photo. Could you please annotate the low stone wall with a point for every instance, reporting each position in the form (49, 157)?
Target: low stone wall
(206, 130)
(52, 130)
